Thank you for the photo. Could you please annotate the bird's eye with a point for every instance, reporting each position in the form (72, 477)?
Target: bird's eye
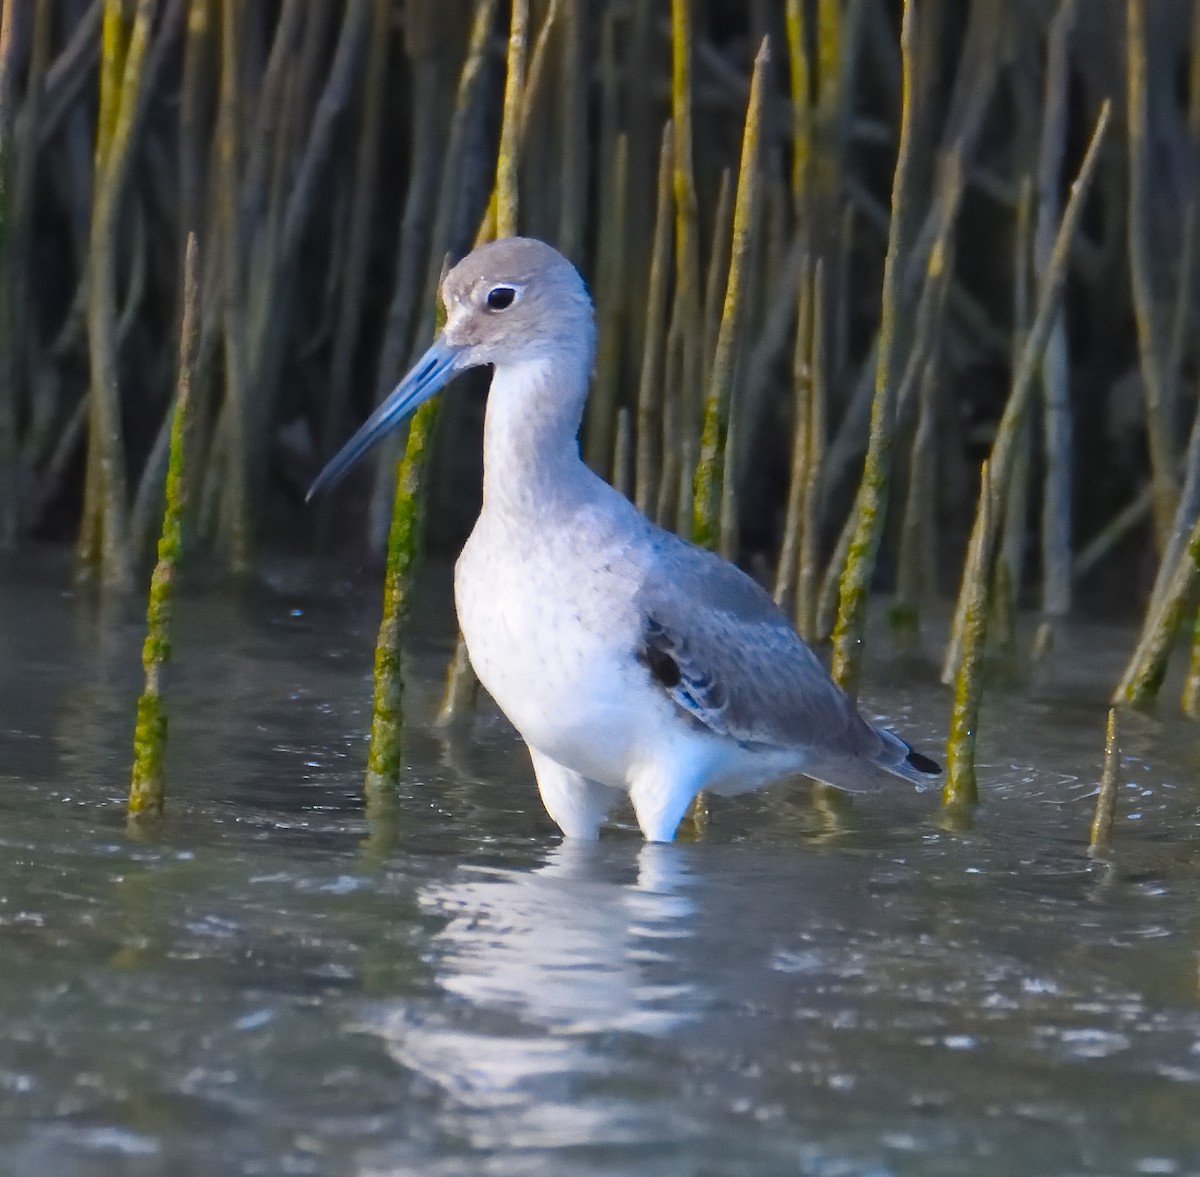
(500, 298)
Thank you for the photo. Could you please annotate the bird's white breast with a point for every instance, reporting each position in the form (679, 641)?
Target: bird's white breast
(552, 633)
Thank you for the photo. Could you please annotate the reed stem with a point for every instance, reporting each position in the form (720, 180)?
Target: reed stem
(962, 788)
(405, 546)
(1056, 372)
(9, 449)
(710, 471)
(1155, 378)
(870, 507)
(104, 536)
(650, 386)
(147, 789)
(1100, 839)
(1147, 666)
(1004, 447)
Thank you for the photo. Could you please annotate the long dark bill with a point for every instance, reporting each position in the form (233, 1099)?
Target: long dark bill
(430, 373)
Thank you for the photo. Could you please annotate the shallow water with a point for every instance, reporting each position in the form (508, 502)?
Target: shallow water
(279, 982)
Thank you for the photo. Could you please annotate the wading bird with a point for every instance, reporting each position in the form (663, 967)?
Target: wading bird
(630, 661)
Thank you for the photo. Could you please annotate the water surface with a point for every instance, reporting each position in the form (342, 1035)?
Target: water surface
(282, 982)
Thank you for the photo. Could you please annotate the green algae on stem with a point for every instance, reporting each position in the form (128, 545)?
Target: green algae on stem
(827, 596)
(870, 507)
(961, 789)
(1100, 837)
(709, 472)
(405, 544)
(147, 788)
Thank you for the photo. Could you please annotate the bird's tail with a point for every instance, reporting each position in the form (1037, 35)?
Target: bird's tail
(880, 758)
(901, 759)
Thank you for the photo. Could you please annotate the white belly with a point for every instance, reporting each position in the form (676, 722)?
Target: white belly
(555, 646)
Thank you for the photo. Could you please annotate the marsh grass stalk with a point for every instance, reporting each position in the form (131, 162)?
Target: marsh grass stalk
(916, 572)
(1100, 836)
(1013, 541)
(716, 276)
(1150, 335)
(1147, 667)
(573, 169)
(622, 462)
(672, 445)
(1190, 699)
(147, 788)
(103, 546)
(961, 789)
(685, 335)
(915, 399)
(405, 545)
(808, 572)
(233, 423)
(802, 383)
(800, 77)
(508, 160)
(714, 437)
(1185, 276)
(1004, 447)
(8, 394)
(406, 536)
(1056, 371)
(871, 502)
(651, 401)
(611, 310)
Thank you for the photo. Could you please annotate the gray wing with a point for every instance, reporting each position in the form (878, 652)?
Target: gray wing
(720, 648)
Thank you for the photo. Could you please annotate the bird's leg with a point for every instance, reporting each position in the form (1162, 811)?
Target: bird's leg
(577, 805)
(661, 794)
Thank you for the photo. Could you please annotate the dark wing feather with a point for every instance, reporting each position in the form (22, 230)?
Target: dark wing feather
(726, 655)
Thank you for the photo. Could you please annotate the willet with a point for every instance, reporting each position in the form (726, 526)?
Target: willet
(630, 661)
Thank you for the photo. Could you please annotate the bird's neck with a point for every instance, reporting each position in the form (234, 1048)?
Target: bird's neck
(531, 462)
